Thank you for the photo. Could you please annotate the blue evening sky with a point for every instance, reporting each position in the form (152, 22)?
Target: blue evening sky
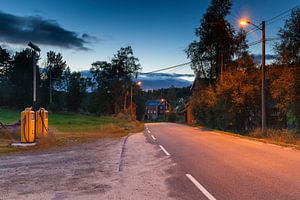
(158, 30)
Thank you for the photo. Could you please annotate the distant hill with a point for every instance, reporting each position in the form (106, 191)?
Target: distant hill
(158, 81)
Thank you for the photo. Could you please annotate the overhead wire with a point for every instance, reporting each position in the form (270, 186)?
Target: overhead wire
(274, 19)
(167, 68)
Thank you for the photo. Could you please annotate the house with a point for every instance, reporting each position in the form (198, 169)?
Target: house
(156, 109)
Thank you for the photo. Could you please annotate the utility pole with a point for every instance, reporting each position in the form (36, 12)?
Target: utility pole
(50, 84)
(263, 75)
(222, 65)
(244, 22)
(125, 102)
(131, 94)
(34, 80)
(35, 50)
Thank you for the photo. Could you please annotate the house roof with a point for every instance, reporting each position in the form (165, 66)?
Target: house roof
(152, 103)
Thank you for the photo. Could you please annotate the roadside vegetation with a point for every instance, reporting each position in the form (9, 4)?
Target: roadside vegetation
(227, 90)
(67, 129)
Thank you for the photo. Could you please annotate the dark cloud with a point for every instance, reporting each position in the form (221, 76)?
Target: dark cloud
(20, 30)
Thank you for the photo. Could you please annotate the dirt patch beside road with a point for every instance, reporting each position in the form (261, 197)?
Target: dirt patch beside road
(88, 171)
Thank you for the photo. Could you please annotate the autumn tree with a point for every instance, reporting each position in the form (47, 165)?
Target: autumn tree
(285, 87)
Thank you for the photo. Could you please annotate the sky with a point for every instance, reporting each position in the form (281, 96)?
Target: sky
(85, 31)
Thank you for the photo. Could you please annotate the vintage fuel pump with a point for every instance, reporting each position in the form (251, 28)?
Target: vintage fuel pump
(27, 126)
(41, 121)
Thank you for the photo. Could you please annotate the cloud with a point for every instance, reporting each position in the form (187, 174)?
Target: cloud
(20, 30)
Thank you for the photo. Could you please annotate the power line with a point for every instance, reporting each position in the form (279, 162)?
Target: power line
(281, 14)
(167, 68)
(274, 19)
(267, 39)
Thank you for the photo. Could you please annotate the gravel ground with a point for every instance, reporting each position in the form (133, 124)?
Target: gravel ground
(128, 168)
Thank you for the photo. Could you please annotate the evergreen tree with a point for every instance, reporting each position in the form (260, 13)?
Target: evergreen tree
(76, 91)
(216, 42)
(288, 49)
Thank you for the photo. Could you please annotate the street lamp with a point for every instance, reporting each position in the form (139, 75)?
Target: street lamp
(262, 27)
(138, 83)
(36, 49)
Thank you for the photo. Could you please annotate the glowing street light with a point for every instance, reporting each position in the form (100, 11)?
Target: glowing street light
(262, 27)
(244, 22)
(139, 83)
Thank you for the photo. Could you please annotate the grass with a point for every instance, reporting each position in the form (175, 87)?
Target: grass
(280, 137)
(68, 129)
(9, 116)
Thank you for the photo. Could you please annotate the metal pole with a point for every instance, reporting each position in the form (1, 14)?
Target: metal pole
(50, 85)
(131, 92)
(222, 65)
(263, 74)
(34, 80)
(125, 97)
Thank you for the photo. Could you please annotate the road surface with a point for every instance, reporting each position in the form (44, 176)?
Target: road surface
(166, 162)
(212, 166)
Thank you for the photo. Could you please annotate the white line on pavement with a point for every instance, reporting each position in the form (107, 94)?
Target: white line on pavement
(200, 187)
(164, 150)
(149, 131)
(153, 137)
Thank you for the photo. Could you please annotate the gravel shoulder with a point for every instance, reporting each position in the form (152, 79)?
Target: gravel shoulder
(126, 168)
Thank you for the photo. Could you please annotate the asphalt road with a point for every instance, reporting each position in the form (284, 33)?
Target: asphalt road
(212, 166)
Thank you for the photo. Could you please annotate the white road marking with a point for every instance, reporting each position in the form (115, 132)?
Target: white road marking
(164, 150)
(200, 187)
(153, 137)
(149, 131)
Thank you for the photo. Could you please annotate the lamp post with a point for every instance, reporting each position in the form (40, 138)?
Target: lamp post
(165, 104)
(36, 49)
(139, 83)
(262, 27)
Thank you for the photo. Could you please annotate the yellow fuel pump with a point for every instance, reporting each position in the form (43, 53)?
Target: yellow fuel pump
(27, 126)
(41, 117)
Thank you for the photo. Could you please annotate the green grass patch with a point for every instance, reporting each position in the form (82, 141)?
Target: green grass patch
(9, 116)
(68, 129)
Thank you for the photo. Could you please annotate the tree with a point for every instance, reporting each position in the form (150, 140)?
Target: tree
(20, 79)
(114, 79)
(5, 64)
(53, 73)
(76, 91)
(285, 89)
(216, 41)
(244, 61)
(288, 49)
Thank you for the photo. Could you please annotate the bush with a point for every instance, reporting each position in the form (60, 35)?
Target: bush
(282, 135)
(171, 117)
